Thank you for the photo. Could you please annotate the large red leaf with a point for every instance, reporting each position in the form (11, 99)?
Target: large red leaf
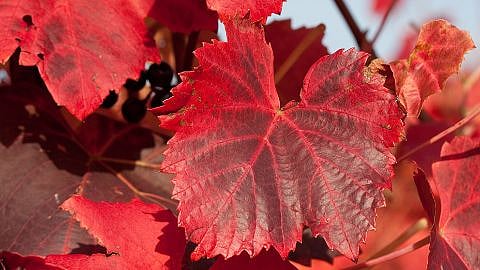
(184, 16)
(437, 55)
(88, 47)
(140, 236)
(250, 174)
(455, 236)
(44, 159)
(276, 33)
(258, 9)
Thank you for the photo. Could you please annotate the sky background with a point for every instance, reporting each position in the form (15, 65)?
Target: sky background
(309, 13)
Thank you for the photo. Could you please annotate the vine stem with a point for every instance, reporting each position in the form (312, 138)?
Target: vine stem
(475, 112)
(359, 36)
(391, 256)
(308, 40)
(150, 196)
(418, 226)
(139, 163)
(382, 23)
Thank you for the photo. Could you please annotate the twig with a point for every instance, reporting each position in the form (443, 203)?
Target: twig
(360, 38)
(420, 225)
(308, 40)
(382, 23)
(391, 256)
(442, 134)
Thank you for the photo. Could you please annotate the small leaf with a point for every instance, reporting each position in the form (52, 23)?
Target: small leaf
(437, 55)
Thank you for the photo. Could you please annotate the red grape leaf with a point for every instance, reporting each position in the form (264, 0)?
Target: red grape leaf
(140, 236)
(265, 260)
(10, 260)
(184, 16)
(43, 161)
(259, 10)
(88, 47)
(437, 55)
(250, 174)
(276, 33)
(455, 239)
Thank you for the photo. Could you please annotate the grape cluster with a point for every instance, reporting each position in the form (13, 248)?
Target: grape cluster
(161, 79)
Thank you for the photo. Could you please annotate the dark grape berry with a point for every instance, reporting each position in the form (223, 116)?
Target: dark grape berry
(134, 86)
(160, 75)
(159, 96)
(109, 100)
(133, 110)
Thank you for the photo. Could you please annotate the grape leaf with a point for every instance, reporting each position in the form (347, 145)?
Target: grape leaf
(184, 16)
(250, 174)
(437, 55)
(276, 33)
(265, 260)
(43, 160)
(80, 46)
(259, 10)
(140, 236)
(455, 238)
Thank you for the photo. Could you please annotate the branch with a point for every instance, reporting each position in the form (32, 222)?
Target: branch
(382, 23)
(392, 255)
(420, 225)
(442, 134)
(362, 41)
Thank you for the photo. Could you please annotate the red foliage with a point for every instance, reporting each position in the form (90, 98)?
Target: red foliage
(261, 161)
(46, 156)
(139, 235)
(437, 55)
(244, 166)
(455, 236)
(80, 59)
(136, 235)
